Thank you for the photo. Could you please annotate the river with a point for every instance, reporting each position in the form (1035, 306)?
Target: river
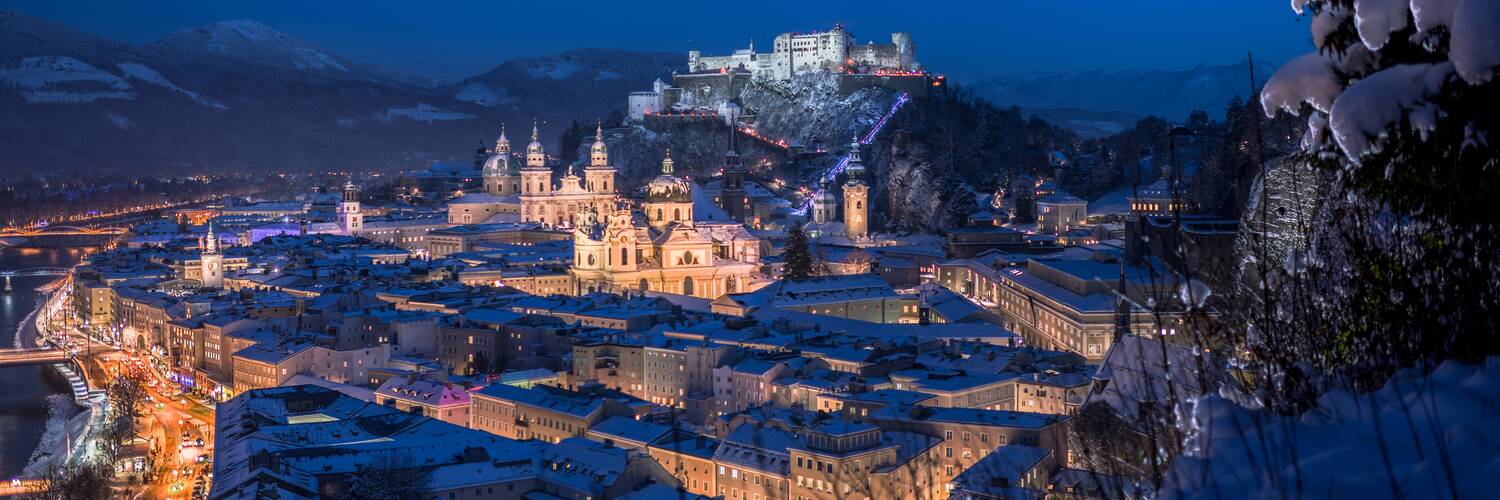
(23, 389)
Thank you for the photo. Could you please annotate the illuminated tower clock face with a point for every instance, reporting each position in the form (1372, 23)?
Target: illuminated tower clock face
(213, 266)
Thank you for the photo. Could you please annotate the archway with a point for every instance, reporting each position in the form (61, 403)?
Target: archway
(687, 285)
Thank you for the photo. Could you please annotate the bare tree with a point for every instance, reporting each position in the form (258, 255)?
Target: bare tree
(89, 480)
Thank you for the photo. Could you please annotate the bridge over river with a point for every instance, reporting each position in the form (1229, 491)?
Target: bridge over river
(33, 271)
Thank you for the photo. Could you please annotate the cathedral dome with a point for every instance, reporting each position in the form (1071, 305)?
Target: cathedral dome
(497, 164)
(668, 188)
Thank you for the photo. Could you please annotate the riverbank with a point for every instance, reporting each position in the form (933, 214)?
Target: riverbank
(24, 390)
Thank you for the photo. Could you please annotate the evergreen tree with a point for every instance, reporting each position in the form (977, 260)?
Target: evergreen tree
(1400, 270)
(798, 255)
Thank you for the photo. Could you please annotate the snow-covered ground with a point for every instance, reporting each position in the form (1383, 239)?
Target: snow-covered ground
(60, 79)
(1113, 202)
(1424, 436)
(424, 113)
(144, 73)
(484, 95)
(65, 422)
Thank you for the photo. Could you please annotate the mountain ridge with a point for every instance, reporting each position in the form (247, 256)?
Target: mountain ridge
(239, 94)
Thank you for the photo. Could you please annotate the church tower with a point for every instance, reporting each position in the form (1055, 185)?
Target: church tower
(825, 204)
(349, 214)
(536, 178)
(599, 176)
(732, 196)
(536, 182)
(669, 198)
(856, 197)
(212, 261)
(500, 175)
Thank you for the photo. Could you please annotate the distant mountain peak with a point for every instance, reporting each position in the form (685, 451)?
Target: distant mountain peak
(257, 42)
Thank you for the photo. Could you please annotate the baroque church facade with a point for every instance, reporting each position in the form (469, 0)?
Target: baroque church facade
(663, 248)
(530, 194)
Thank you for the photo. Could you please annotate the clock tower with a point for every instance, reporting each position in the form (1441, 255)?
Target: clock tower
(212, 261)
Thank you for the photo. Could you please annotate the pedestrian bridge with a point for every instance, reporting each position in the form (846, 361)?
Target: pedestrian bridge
(34, 356)
(34, 271)
(61, 231)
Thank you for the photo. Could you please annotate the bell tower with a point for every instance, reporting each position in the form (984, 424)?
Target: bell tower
(856, 197)
(732, 196)
(536, 183)
(599, 176)
(824, 204)
(349, 215)
(212, 261)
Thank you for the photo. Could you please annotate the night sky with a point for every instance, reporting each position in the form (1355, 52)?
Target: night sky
(966, 39)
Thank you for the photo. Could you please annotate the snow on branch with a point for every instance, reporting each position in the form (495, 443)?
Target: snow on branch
(1377, 19)
(1370, 106)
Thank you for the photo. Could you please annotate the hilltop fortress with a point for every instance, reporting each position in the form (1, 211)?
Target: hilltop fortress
(833, 51)
(713, 81)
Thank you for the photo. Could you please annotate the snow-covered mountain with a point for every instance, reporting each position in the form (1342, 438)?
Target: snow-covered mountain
(1170, 94)
(239, 94)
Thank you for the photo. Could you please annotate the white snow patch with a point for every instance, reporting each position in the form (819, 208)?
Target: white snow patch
(484, 95)
(424, 113)
(1194, 293)
(1368, 107)
(606, 75)
(1430, 428)
(312, 58)
(1474, 44)
(1317, 123)
(1377, 19)
(145, 73)
(1299, 6)
(1433, 13)
(1307, 78)
(61, 79)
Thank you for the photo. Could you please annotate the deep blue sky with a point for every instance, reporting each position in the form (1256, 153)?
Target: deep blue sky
(960, 37)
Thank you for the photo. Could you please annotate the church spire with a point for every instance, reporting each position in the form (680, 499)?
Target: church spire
(536, 157)
(211, 246)
(666, 163)
(502, 145)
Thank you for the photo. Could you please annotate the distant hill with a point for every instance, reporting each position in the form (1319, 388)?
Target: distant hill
(1170, 94)
(239, 94)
